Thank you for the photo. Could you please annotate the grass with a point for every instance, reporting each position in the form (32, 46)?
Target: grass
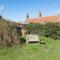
(50, 51)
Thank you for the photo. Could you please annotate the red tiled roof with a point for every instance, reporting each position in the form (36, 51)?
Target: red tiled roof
(43, 19)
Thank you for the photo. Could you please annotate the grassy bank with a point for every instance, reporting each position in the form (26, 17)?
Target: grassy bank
(49, 51)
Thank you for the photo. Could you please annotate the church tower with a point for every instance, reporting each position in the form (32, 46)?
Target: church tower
(40, 14)
(27, 16)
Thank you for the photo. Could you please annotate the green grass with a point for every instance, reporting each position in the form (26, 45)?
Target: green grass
(50, 51)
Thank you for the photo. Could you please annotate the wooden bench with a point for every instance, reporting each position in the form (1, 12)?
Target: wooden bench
(32, 38)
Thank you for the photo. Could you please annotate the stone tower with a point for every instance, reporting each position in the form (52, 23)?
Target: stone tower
(27, 16)
(40, 14)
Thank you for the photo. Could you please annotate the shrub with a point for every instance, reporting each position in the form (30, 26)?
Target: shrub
(8, 36)
(35, 28)
(51, 30)
(22, 39)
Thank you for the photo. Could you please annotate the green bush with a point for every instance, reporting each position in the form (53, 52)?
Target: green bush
(22, 39)
(51, 30)
(35, 28)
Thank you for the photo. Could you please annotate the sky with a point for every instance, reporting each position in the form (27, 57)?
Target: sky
(16, 10)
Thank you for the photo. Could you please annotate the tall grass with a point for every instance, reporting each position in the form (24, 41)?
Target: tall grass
(7, 34)
(50, 51)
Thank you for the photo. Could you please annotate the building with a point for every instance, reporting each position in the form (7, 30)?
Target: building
(44, 19)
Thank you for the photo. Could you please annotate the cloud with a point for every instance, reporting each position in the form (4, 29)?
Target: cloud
(1, 8)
